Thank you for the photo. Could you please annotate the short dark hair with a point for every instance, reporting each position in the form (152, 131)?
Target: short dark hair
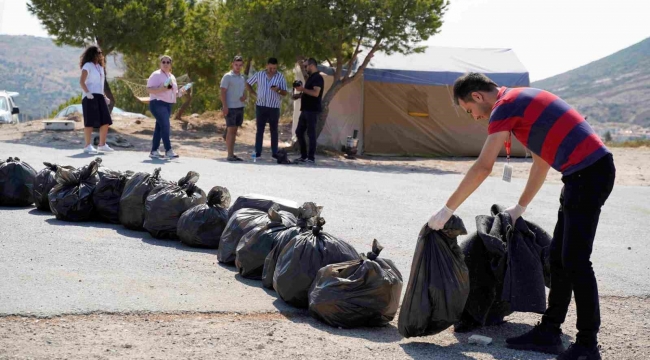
(465, 85)
(237, 58)
(272, 61)
(312, 61)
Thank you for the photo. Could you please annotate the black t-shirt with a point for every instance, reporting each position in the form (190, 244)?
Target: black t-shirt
(310, 103)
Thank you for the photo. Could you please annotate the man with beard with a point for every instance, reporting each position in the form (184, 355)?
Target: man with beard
(311, 95)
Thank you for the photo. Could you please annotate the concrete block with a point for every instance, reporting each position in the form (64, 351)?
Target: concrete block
(58, 125)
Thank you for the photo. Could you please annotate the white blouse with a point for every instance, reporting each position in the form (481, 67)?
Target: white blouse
(95, 78)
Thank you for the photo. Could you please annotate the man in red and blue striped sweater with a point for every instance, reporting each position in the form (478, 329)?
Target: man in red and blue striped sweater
(559, 137)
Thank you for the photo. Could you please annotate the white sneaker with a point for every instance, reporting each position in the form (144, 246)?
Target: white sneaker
(105, 148)
(170, 154)
(156, 155)
(90, 150)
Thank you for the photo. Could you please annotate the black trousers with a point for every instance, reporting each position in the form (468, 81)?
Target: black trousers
(583, 195)
(307, 123)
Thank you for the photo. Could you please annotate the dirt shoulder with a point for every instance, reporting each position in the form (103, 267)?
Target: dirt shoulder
(202, 136)
(297, 336)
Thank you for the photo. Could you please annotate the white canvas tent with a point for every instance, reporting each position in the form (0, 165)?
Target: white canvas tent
(403, 103)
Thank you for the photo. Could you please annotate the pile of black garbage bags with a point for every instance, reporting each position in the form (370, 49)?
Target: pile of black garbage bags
(273, 240)
(502, 268)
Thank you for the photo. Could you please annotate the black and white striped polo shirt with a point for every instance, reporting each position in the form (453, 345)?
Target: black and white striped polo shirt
(266, 96)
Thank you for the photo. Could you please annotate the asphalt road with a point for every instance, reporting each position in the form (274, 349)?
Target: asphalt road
(51, 267)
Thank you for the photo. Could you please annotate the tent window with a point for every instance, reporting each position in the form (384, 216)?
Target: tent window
(417, 103)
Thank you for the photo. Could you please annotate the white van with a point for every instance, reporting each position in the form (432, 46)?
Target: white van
(8, 109)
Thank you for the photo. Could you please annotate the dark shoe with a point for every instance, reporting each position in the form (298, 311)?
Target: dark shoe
(466, 324)
(300, 160)
(275, 156)
(541, 338)
(578, 351)
(311, 162)
(234, 158)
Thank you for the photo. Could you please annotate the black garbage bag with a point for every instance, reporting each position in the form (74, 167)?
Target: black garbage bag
(108, 192)
(202, 225)
(71, 198)
(45, 181)
(303, 257)
(508, 267)
(307, 217)
(283, 157)
(439, 282)
(163, 209)
(17, 180)
(357, 293)
(255, 246)
(136, 190)
(263, 203)
(243, 221)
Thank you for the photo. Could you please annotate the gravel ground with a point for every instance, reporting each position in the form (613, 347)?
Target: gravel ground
(273, 335)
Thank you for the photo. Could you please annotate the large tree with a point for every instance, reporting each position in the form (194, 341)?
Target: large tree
(199, 51)
(126, 26)
(337, 31)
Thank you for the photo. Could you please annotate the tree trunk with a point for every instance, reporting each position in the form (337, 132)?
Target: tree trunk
(109, 95)
(185, 105)
(247, 67)
(107, 88)
(325, 105)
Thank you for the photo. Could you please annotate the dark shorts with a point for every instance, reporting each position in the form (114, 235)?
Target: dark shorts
(235, 117)
(95, 111)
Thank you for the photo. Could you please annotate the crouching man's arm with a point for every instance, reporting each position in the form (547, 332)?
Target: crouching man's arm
(536, 179)
(481, 169)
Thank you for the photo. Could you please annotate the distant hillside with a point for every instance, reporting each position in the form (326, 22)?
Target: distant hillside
(44, 74)
(613, 89)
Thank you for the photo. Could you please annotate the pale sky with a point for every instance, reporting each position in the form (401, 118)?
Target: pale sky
(549, 36)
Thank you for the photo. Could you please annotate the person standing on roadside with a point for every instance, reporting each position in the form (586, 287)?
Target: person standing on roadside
(310, 107)
(271, 86)
(233, 96)
(162, 90)
(94, 104)
(559, 137)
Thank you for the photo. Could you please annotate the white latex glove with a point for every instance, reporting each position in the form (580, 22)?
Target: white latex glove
(515, 212)
(89, 96)
(439, 219)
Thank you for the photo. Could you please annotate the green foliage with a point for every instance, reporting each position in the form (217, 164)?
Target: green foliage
(126, 26)
(71, 101)
(334, 30)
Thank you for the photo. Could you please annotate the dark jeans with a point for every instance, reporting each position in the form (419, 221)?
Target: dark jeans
(161, 111)
(583, 194)
(307, 122)
(265, 115)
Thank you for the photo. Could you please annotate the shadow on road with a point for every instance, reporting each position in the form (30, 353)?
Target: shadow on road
(141, 235)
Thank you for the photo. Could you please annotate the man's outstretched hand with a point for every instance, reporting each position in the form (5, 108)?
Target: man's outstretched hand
(515, 212)
(439, 219)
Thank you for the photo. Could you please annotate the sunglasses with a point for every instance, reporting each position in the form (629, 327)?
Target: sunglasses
(166, 62)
